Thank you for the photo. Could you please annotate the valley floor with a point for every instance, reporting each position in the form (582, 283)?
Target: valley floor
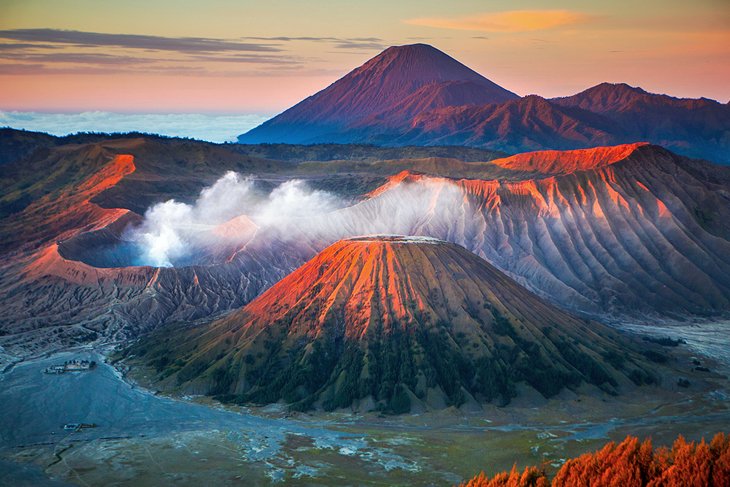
(145, 439)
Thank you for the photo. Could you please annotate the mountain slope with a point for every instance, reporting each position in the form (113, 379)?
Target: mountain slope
(630, 462)
(552, 162)
(387, 322)
(620, 97)
(378, 85)
(19, 144)
(529, 123)
(431, 97)
(695, 127)
(629, 231)
(67, 273)
(417, 95)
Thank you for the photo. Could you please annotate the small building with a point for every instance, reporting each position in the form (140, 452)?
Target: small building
(71, 366)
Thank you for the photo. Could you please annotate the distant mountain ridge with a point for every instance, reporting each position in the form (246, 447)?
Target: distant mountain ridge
(417, 95)
(621, 97)
(697, 127)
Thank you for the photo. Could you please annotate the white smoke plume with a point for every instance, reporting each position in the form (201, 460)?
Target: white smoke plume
(172, 231)
(234, 211)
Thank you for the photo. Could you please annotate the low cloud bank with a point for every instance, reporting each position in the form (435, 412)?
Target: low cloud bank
(211, 128)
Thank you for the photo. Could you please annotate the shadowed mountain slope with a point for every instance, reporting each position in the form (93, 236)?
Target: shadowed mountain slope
(695, 127)
(529, 123)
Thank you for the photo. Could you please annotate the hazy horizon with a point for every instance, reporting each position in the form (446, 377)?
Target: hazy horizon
(248, 57)
(209, 127)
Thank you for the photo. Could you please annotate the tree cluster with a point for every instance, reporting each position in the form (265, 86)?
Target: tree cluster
(630, 463)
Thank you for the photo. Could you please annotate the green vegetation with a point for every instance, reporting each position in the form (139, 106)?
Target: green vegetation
(664, 341)
(655, 356)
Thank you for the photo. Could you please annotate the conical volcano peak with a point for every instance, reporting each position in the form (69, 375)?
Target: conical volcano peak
(380, 85)
(415, 94)
(418, 50)
(418, 47)
(388, 322)
(419, 64)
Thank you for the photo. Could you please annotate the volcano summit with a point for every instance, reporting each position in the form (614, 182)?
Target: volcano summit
(392, 323)
(397, 83)
(418, 95)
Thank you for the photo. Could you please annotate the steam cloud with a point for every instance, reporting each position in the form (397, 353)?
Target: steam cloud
(234, 210)
(172, 230)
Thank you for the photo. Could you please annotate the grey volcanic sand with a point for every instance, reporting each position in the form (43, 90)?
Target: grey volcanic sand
(34, 407)
(23, 474)
(706, 338)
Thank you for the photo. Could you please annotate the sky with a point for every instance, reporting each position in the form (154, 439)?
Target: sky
(234, 57)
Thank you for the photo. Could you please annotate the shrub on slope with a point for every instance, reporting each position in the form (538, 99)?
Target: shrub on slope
(631, 463)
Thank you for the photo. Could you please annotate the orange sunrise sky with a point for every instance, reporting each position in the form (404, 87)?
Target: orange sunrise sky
(261, 57)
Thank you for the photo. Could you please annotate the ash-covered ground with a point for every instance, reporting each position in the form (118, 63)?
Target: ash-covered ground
(141, 438)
